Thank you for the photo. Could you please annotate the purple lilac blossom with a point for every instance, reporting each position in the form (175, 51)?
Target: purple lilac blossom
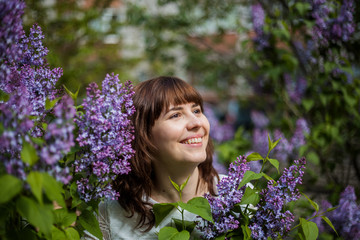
(260, 141)
(219, 167)
(228, 196)
(106, 133)
(261, 39)
(285, 149)
(271, 219)
(295, 87)
(29, 81)
(11, 31)
(299, 138)
(59, 139)
(345, 218)
(220, 132)
(15, 124)
(328, 29)
(259, 119)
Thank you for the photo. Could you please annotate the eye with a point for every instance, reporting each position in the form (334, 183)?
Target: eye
(197, 111)
(175, 115)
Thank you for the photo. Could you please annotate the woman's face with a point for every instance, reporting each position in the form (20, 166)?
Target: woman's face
(181, 134)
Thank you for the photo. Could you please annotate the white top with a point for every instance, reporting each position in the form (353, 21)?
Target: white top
(115, 225)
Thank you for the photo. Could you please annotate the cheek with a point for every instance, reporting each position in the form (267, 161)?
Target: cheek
(206, 125)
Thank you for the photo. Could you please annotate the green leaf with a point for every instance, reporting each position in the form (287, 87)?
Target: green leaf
(64, 218)
(189, 225)
(170, 233)
(331, 209)
(88, 220)
(272, 145)
(199, 206)
(313, 158)
(246, 232)
(176, 186)
(184, 184)
(4, 97)
(35, 180)
(221, 237)
(327, 220)
(314, 204)
(268, 177)
(38, 215)
(161, 210)
(302, 8)
(275, 163)
(49, 104)
(308, 104)
(28, 154)
(57, 234)
(38, 141)
(53, 190)
(249, 176)
(72, 234)
(10, 186)
(308, 229)
(251, 196)
(72, 95)
(76, 201)
(254, 157)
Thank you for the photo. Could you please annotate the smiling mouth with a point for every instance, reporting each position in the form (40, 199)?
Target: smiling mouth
(192, 141)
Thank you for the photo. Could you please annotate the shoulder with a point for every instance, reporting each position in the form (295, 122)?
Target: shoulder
(119, 223)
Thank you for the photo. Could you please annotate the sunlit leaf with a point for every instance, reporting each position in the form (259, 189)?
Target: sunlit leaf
(28, 154)
(199, 206)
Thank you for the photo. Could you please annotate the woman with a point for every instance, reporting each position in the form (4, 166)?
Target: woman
(171, 140)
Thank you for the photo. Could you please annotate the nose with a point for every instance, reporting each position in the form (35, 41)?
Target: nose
(194, 122)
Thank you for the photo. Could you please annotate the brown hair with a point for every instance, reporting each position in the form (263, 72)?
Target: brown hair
(150, 98)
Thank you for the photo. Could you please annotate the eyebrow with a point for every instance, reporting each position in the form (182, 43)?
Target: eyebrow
(176, 108)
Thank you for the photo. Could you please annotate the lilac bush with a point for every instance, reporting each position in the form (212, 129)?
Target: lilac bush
(30, 83)
(265, 215)
(105, 135)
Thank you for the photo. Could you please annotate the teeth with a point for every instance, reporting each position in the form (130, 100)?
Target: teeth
(193, 140)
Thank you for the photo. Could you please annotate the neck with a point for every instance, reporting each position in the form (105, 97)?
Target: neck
(164, 191)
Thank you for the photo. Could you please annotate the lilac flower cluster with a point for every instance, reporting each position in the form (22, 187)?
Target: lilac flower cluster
(271, 219)
(286, 148)
(222, 205)
(221, 131)
(59, 139)
(345, 218)
(15, 124)
(328, 29)
(259, 119)
(11, 31)
(295, 87)
(261, 39)
(29, 82)
(105, 134)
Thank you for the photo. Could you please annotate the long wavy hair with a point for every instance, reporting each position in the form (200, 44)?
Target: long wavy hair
(150, 99)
